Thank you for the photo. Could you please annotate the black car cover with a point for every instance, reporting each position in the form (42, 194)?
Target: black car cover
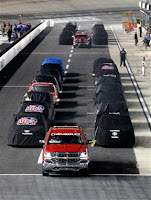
(51, 71)
(66, 37)
(47, 79)
(103, 87)
(107, 79)
(114, 131)
(41, 96)
(100, 61)
(48, 68)
(38, 107)
(118, 108)
(100, 38)
(106, 68)
(27, 130)
(109, 97)
(108, 72)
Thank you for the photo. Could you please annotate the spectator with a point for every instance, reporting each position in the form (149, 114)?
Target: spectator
(140, 31)
(145, 43)
(20, 19)
(3, 27)
(122, 56)
(29, 25)
(136, 38)
(148, 39)
(19, 29)
(9, 31)
(143, 66)
(15, 31)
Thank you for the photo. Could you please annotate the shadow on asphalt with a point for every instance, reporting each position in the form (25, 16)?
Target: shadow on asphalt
(110, 167)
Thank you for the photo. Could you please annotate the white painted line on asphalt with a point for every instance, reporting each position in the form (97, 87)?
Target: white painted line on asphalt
(89, 175)
(129, 92)
(40, 157)
(14, 86)
(67, 66)
(70, 55)
(139, 94)
(71, 51)
(90, 113)
(135, 110)
(82, 86)
(69, 60)
(20, 174)
(133, 100)
(119, 175)
(72, 47)
(127, 84)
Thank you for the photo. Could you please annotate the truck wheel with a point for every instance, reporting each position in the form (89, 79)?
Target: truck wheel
(85, 172)
(44, 173)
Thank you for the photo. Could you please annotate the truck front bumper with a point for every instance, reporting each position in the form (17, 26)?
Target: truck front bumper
(49, 167)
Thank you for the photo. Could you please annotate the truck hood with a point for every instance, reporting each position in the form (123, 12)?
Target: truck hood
(65, 148)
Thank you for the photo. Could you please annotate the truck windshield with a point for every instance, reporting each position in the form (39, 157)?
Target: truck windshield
(43, 88)
(81, 36)
(65, 139)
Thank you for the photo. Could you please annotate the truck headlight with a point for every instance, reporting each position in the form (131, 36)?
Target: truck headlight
(84, 156)
(47, 156)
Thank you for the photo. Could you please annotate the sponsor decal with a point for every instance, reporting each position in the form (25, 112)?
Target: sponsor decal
(27, 121)
(114, 113)
(114, 134)
(53, 134)
(27, 132)
(107, 66)
(34, 108)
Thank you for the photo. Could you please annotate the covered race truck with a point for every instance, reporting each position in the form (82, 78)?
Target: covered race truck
(53, 63)
(65, 149)
(27, 129)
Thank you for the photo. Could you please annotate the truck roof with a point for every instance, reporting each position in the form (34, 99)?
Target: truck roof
(81, 33)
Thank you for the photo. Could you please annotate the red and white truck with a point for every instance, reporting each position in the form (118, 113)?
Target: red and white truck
(65, 149)
(82, 39)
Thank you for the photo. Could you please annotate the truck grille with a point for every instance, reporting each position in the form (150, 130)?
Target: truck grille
(65, 158)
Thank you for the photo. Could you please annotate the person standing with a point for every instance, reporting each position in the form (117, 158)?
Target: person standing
(9, 32)
(15, 31)
(145, 43)
(136, 38)
(122, 56)
(140, 31)
(3, 27)
(143, 66)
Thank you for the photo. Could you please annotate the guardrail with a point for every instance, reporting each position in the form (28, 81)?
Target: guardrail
(21, 44)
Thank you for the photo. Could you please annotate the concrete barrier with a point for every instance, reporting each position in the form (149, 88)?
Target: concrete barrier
(14, 51)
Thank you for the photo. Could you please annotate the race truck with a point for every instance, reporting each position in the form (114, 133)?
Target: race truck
(82, 39)
(65, 149)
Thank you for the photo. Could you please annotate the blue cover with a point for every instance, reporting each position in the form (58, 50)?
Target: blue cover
(54, 61)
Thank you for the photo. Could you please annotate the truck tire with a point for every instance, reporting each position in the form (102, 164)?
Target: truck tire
(44, 173)
(85, 172)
